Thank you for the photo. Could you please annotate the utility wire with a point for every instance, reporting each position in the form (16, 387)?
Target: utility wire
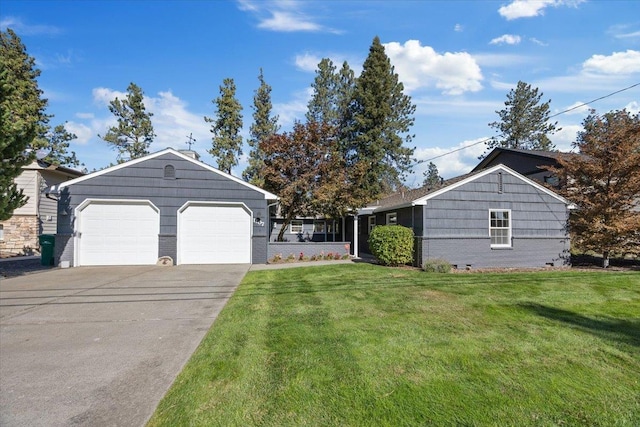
(554, 115)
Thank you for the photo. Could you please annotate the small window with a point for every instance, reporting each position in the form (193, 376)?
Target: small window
(333, 227)
(296, 226)
(372, 223)
(169, 172)
(392, 218)
(500, 228)
(318, 226)
(500, 183)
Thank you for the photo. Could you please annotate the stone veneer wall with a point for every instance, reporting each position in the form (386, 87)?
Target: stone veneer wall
(20, 236)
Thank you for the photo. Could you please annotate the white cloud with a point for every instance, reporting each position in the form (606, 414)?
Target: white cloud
(103, 95)
(538, 42)
(458, 28)
(282, 16)
(23, 29)
(577, 108)
(293, 110)
(617, 63)
(565, 137)
(530, 8)
(450, 165)
(307, 62)
(421, 66)
(506, 39)
(633, 107)
(81, 130)
(85, 115)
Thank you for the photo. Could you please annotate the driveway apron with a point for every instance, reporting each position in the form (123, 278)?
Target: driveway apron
(101, 345)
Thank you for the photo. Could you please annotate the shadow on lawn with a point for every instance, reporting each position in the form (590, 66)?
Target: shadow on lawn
(623, 331)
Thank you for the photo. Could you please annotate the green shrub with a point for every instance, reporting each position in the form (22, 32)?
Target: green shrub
(436, 266)
(392, 244)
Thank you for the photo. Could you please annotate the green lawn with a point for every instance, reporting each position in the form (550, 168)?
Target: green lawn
(362, 345)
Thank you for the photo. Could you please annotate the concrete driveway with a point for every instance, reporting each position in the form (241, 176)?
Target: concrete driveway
(101, 345)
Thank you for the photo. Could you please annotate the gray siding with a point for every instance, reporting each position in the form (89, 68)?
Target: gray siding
(48, 208)
(477, 253)
(145, 181)
(456, 225)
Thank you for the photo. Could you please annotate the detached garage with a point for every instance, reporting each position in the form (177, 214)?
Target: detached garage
(167, 204)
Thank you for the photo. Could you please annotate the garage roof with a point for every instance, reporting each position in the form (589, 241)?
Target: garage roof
(56, 188)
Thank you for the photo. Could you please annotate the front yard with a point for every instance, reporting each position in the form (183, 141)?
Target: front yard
(362, 345)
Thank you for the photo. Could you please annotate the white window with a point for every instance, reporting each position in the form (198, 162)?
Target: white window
(392, 218)
(500, 228)
(372, 223)
(318, 226)
(296, 226)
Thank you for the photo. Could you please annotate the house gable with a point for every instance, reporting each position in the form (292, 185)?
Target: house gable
(137, 164)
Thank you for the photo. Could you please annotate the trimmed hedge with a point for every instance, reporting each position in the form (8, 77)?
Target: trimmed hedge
(392, 244)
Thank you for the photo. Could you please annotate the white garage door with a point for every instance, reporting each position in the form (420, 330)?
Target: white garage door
(214, 234)
(118, 233)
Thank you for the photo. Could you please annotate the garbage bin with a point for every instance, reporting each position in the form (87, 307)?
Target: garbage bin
(47, 243)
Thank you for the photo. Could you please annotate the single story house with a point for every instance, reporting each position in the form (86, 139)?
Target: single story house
(494, 217)
(19, 234)
(167, 205)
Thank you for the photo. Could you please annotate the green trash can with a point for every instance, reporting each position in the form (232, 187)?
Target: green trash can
(47, 243)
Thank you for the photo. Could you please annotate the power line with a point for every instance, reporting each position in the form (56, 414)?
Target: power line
(554, 115)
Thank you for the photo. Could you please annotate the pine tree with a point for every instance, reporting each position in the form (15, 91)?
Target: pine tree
(56, 143)
(133, 135)
(22, 117)
(323, 105)
(226, 144)
(432, 178)
(524, 122)
(263, 126)
(604, 182)
(382, 116)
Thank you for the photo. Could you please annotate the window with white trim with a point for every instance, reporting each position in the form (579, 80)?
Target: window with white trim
(392, 218)
(372, 223)
(296, 226)
(500, 228)
(318, 226)
(333, 227)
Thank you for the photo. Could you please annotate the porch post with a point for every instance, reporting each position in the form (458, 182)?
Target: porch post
(355, 235)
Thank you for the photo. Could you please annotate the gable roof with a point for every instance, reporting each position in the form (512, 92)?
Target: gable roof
(420, 196)
(267, 195)
(540, 154)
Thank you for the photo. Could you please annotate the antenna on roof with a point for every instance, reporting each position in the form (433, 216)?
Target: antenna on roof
(191, 140)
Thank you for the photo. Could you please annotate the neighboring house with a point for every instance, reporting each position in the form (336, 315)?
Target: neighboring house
(167, 204)
(526, 162)
(19, 234)
(493, 217)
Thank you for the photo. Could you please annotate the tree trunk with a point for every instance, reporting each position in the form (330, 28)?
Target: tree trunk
(605, 259)
(285, 224)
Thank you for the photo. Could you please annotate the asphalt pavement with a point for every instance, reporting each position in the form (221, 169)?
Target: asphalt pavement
(100, 346)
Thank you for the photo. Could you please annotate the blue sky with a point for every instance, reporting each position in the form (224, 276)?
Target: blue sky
(457, 60)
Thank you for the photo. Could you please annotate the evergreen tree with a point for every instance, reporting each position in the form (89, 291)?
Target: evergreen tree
(56, 143)
(524, 122)
(22, 117)
(432, 178)
(323, 105)
(382, 116)
(226, 141)
(263, 126)
(604, 182)
(133, 135)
